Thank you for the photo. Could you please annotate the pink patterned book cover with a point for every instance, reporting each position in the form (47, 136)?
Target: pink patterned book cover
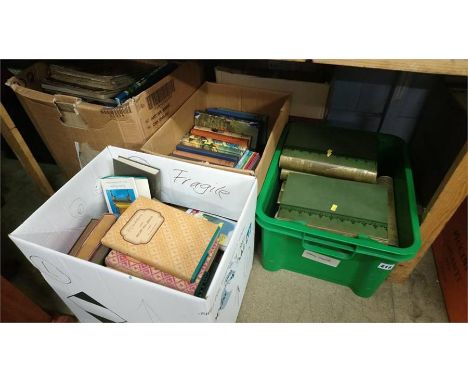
(126, 264)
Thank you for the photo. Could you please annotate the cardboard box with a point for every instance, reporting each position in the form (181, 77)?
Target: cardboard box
(449, 251)
(274, 104)
(308, 99)
(96, 293)
(75, 131)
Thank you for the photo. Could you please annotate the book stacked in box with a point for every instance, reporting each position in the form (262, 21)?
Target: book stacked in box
(330, 182)
(225, 137)
(104, 82)
(162, 244)
(145, 238)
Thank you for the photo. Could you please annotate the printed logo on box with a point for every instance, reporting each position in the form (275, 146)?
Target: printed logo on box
(386, 267)
(321, 258)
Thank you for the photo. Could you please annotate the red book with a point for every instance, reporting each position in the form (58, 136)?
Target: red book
(252, 161)
(127, 264)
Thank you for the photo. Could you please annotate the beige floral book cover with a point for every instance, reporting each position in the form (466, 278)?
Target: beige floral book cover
(163, 237)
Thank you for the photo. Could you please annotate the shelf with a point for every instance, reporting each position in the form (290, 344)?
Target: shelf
(451, 67)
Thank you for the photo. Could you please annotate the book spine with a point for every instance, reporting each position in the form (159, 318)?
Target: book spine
(242, 142)
(202, 158)
(212, 154)
(224, 133)
(253, 162)
(202, 119)
(321, 168)
(213, 145)
(244, 159)
(237, 114)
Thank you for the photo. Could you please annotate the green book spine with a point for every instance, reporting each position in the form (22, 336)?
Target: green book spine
(326, 150)
(205, 255)
(361, 170)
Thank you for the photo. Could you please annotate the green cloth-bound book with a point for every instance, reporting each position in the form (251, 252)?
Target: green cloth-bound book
(326, 150)
(337, 205)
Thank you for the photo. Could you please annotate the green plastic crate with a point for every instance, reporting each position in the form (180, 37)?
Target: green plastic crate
(357, 262)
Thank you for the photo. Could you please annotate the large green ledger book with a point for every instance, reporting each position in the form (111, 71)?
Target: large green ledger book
(325, 150)
(338, 205)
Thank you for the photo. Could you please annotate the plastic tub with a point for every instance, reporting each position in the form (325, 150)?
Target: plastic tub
(357, 262)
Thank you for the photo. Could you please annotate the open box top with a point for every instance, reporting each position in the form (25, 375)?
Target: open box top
(273, 104)
(91, 290)
(75, 130)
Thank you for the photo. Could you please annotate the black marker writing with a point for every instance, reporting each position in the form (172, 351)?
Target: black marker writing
(198, 187)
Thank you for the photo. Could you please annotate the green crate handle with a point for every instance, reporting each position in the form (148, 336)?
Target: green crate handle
(311, 244)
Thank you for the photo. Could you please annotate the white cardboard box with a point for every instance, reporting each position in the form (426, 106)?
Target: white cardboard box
(95, 293)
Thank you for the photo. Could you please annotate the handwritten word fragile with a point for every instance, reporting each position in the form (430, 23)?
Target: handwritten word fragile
(182, 177)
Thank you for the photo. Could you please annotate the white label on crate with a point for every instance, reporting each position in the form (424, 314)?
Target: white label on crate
(321, 258)
(386, 267)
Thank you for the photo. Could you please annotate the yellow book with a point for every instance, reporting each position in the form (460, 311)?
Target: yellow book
(163, 237)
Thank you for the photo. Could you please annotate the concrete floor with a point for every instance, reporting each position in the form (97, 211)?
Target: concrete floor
(280, 296)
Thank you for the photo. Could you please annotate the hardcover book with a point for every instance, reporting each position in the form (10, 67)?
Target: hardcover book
(163, 237)
(262, 119)
(337, 205)
(84, 235)
(90, 248)
(131, 266)
(244, 159)
(121, 191)
(205, 282)
(202, 158)
(221, 123)
(212, 154)
(329, 151)
(225, 133)
(213, 145)
(219, 136)
(227, 226)
(252, 162)
(128, 167)
(100, 74)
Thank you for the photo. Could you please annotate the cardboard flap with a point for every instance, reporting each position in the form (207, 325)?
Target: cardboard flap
(194, 186)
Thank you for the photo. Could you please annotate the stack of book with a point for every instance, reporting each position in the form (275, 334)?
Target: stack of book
(329, 182)
(88, 245)
(131, 179)
(224, 137)
(162, 244)
(103, 82)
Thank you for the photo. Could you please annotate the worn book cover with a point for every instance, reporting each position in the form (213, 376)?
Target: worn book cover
(163, 237)
(252, 162)
(262, 119)
(221, 123)
(131, 266)
(202, 158)
(128, 167)
(337, 205)
(213, 145)
(119, 193)
(220, 136)
(227, 226)
(326, 150)
(84, 235)
(244, 159)
(91, 246)
(199, 151)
